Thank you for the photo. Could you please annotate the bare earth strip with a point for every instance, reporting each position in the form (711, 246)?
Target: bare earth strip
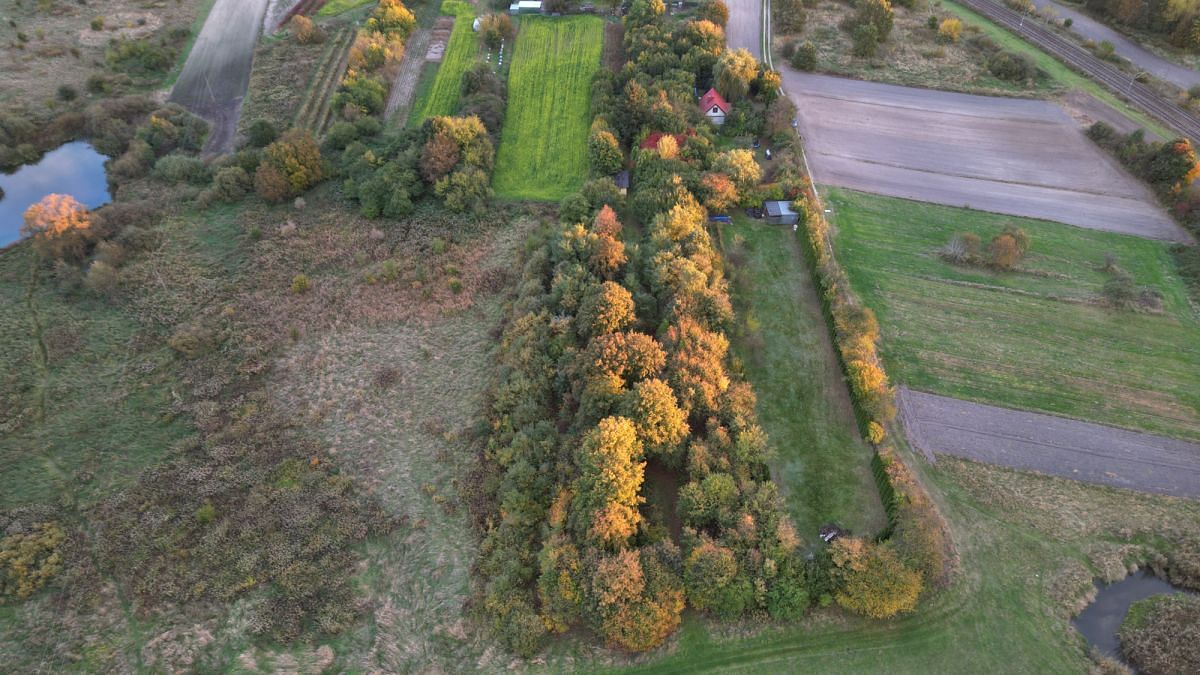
(217, 72)
(1087, 452)
(744, 30)
(1013, 156)
(410, 73)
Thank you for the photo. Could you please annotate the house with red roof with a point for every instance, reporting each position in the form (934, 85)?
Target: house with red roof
(714, 107)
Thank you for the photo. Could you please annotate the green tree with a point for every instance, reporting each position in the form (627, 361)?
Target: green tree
(604, 152)
(866, 40)
(877, 13)
(734, 72)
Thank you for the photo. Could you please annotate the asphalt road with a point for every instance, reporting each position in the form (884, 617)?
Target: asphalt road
(1082, 451)
(217, 71)
(1091, 29)
(1013, 156)
(744, 30)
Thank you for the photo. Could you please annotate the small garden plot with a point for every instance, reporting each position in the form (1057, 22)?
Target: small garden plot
(1086, 324)
(442, 97)
(543, 147)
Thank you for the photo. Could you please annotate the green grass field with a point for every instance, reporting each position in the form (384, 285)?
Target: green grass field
(334, 7)
(1036, 339)
(441, 98)
(543, 146)
(823, 466)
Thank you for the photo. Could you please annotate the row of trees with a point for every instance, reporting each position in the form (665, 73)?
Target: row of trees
(1177, 20)
(615, 358)
(1169, 167)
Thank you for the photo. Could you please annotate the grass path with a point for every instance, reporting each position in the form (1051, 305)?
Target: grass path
(1037, 339)
(543, 146)
(823, 465)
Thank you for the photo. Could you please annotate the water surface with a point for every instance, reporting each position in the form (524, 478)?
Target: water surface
(74, 169)
(1101, 620)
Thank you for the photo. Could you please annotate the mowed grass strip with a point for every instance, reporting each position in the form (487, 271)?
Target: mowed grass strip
(543, 146)
(442, 97)
(1037, 339)
(823, 467)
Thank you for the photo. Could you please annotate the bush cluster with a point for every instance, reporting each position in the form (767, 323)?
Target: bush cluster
(1169, 167)
(29, 559)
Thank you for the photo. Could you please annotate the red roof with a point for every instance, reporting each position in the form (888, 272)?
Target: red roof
(711, 98)
(652, 138)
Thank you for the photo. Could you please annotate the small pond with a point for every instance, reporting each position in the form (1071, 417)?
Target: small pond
(1102, 619)
(74, 169)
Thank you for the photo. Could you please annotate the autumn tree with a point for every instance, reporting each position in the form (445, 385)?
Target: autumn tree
(304, 31)
(59, 227)
(710, 577)
(734, 72)
(608, 309)
(741, 167)
(637, 598)
(604, 152)
(606, 222)
(628, 355)
(720, 194)
(696, 367)
(439, 156)
(872, 580)
(715, 11)
(494, 29)
(611, 470)
(660, 423)
(297, 158)
(392, 17)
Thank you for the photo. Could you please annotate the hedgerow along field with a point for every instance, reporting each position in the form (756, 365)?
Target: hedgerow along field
(823, 466)
(1039, 338)
(543, 146)
(461, 50)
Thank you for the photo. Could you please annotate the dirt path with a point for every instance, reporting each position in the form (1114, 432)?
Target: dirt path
(405, 85)
(1013, 156)
(217, 72)
(744, 30)
(1091, 29)
(1083, 451)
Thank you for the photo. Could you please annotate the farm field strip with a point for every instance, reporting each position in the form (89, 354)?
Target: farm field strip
(328, 75)
(1038, 340)
(1092, 453)
(823, 467)
(543, 146)
(447, 86)
(217, 72)
(1020, 157)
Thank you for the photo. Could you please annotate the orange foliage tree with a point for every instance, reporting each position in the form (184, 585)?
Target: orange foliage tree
(60, 228)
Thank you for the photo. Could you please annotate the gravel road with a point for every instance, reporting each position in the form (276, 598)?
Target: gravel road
(1092, 453)
(744, 30)
(1091, 29)
(217, 72)
(1014, 156)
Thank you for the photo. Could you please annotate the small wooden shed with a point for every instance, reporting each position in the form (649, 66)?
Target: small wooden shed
(780, 213)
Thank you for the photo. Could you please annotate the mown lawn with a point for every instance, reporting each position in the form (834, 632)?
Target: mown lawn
(543, 146)
(823, 466)
(442, 97)
(1037, 339)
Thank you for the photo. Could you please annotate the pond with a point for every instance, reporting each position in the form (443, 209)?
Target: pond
(75, 169)
(1102, 619)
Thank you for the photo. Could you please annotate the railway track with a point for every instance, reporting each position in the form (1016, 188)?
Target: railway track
(1075, 56)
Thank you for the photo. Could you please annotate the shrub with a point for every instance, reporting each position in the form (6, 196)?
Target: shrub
(231, 183)
(300, 284)
(866, 40)
(67, 93)
(805, 57)
(29, 559)
(98, 23)
(495, 29)
(140, 57)
(932, 22)
(296, 158)
(180, 168)
(342, 134)
(872, 580)
(262, 132)
(1011, 66)
(102, 278)
(950, 30)
(305, 32)
(877, 13)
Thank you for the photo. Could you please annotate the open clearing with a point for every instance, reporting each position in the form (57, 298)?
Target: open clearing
(823, 466)
(217, 72)
(1080, 450)
(543, 146)
(1036, 339)
(1020, 157)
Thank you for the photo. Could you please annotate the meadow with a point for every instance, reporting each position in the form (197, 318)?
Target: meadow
(441, 98)
(1038, 338)
(543, 146)
(822, 465)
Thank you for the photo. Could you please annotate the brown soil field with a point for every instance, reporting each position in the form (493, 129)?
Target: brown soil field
(1083, 451)
(1018, 157)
